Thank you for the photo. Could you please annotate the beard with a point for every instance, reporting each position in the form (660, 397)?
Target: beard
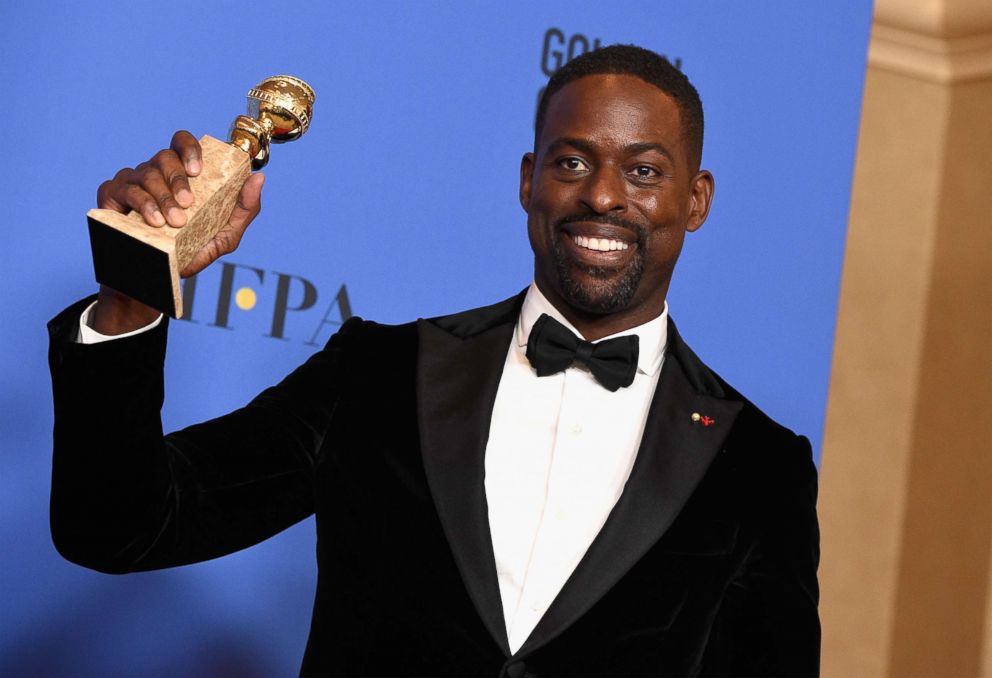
(611, 290)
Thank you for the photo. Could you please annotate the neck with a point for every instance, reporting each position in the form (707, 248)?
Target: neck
(594, 326)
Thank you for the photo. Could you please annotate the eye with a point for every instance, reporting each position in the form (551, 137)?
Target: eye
(645, 172)
(573, 164)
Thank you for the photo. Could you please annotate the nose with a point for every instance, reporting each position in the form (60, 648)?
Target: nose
(605, 191)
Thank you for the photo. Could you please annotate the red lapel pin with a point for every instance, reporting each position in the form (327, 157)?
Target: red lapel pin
(703, 419)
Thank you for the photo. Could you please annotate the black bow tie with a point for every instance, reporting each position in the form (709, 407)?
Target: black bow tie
(552, 347)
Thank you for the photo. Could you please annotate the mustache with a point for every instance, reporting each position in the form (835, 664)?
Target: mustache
(608, 219)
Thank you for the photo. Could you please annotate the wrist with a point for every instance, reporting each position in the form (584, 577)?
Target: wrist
(117, 313)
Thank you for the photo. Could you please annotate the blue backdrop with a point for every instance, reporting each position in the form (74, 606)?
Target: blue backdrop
(400, 202)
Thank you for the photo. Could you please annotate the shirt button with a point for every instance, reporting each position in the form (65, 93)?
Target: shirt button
(577, 429)
(559, 515)
(536, 606)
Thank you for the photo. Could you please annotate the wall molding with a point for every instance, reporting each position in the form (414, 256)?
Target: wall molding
(929, 57)
(936, 18)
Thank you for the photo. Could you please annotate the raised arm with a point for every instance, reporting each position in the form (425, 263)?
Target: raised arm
(126, 497)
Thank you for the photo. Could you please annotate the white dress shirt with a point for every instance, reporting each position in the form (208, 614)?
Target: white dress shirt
(560, 450)
(559, 453)
(87, 335)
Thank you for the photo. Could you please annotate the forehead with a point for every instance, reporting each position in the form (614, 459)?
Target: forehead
(613, 109)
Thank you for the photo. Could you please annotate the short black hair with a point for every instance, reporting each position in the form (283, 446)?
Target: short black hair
(650, 67)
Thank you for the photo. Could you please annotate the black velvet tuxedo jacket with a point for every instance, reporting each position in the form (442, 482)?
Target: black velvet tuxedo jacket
(706, 565)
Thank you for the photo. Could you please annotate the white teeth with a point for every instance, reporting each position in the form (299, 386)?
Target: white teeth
(599, 244)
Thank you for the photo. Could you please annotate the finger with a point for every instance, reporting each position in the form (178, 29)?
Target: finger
(105, 197)
(138, 199)
(188, 149)
(112, 194)
(173, 170)
(151, 179)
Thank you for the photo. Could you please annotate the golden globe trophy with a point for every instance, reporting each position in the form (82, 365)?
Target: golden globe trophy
(144, 261)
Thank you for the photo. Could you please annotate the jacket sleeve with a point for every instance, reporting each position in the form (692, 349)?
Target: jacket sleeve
(768, 623)
(127, 498)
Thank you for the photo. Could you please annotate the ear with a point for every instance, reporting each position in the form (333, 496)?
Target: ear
(700, 199)
(526, 177)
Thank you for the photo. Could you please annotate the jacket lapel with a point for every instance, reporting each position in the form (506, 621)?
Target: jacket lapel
(459, 365)
(674, 454)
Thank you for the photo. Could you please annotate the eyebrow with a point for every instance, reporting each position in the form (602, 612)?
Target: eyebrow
(646, 146)
(631, 149)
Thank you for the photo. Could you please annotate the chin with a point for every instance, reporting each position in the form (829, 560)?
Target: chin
(596, 290)
(600, 295)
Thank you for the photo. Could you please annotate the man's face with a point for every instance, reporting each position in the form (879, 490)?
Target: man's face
(610, 192)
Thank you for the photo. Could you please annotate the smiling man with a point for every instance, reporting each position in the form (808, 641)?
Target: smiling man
(551, 486)
(611, 189)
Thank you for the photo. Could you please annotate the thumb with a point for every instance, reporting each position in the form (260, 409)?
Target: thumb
(249, 202)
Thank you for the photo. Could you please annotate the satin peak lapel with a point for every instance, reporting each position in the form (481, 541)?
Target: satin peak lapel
(459, 366)
(676, 451)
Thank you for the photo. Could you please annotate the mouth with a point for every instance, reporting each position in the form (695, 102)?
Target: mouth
(597, 244)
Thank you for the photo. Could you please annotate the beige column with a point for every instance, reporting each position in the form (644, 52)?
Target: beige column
(906, 478)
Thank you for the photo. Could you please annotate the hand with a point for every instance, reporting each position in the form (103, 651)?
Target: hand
(159, 190)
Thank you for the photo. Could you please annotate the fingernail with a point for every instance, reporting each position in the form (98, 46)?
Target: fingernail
(177, 217)
(194, 166)
(185, 197)
(158, 219)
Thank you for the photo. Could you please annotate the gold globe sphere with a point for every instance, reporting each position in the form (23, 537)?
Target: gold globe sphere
(279, 110)
(283, 104)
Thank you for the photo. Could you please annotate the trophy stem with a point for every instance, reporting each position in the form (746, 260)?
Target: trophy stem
(144, 262)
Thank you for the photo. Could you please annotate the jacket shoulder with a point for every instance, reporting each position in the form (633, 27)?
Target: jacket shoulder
(463, 324)
(373, 344)
(477, 320)
(753, 424)
(759, 424)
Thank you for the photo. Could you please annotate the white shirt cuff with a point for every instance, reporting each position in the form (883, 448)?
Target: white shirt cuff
(87, 335)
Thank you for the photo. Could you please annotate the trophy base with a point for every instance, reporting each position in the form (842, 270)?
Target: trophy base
(141, 270)
(144, 261)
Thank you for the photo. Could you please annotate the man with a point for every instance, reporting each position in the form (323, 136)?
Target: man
(493, 494)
